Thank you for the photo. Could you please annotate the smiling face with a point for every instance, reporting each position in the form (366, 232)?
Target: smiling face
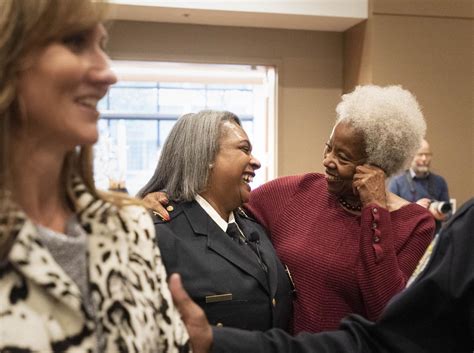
(232, 171)
(60, 87)
(344, 151)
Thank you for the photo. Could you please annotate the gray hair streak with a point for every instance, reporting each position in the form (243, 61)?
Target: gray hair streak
(189, 150)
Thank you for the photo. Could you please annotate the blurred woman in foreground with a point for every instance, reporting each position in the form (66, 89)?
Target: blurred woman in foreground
(79, 270)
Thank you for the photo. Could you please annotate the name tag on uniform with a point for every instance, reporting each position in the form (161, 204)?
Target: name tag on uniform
(218, 298)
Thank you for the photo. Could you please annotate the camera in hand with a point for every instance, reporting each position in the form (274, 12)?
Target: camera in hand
(441, 206)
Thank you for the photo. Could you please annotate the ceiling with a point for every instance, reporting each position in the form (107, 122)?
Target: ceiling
(316, 15)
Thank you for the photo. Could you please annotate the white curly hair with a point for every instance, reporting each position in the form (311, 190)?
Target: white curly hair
(390, 120)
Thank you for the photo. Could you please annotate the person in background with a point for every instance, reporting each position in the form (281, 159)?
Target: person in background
(435, 314)
(349, 243)
(225, 258)
(418, 184)
(79, 269)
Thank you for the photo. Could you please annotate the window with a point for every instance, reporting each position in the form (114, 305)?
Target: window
(138, 113)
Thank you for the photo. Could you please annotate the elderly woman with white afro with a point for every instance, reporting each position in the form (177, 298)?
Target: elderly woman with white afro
(349, 243)
(391, 122)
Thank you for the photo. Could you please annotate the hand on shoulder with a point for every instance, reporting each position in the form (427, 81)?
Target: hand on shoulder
(156, 201)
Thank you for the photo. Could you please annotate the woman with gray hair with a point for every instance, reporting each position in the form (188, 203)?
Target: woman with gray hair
(227, 262)
(350, 243)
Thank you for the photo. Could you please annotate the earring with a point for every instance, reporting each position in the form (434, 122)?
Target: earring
(211, 165)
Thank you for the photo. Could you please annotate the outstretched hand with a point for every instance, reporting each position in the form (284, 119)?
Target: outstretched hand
(200, 332)
(369, 184)
(156, 201)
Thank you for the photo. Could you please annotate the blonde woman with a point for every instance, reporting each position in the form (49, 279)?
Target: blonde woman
(78, 270)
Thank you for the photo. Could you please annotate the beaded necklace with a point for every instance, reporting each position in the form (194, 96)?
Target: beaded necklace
(347, 205)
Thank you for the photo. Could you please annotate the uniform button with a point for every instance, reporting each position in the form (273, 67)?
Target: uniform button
(274, 302)
(376, 240)
(374, 225)
(374, 210)
(219, 324)
(169, 208)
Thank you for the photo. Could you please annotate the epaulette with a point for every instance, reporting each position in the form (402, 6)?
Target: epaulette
(157, 218)
(171, 208)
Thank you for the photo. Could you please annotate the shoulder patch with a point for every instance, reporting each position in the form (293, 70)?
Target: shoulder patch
(173, 210)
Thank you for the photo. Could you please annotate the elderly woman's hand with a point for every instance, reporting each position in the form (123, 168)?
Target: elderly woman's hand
(156, 201)
(369, 184)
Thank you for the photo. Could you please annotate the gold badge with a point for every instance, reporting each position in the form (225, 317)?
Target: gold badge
(218, 298)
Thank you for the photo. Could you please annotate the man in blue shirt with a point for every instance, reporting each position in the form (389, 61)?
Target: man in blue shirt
(419, 185)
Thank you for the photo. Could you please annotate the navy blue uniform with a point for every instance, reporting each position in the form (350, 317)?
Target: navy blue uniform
(222, 275)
